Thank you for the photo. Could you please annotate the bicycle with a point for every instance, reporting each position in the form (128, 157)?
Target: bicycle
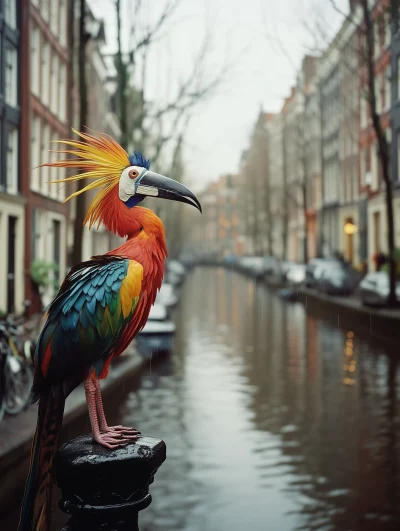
(16, 374)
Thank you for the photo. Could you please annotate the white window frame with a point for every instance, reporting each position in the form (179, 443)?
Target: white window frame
(35, 153)
(11, 74)
(44, 9)
(45, 77)
(53, 188)
(388, 87)
(54, 17)
(398, 77)
(62, 91)
(63, 23)
(12, 159)
(10, 13)
(54, 83)
(35, 60)
(44, 177)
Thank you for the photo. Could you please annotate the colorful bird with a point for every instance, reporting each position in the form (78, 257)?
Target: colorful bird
(101, 305)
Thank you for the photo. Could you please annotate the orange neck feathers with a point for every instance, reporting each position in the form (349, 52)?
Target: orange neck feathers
(143, 228)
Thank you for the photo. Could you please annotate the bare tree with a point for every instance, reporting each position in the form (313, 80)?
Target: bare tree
(155, 126)
(367, 56)
(383, 147)
(84, 37)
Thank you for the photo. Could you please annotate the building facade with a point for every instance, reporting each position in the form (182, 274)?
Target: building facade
(291, 167)
(44, 77)
(309, 141)
(329, 80)
(312, 154)
(12, 187)
(276, 183)
(372, 186)
(352, 227)
(101, 119)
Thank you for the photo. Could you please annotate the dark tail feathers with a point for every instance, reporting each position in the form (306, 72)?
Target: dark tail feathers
(36, 505)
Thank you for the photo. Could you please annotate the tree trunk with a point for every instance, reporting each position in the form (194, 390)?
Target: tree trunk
(383, 150)
(304, 184)
(83, 115)
(121, 70)
(71, 47)
(305, 239)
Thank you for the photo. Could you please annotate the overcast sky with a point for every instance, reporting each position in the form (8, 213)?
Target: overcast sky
(247, 35)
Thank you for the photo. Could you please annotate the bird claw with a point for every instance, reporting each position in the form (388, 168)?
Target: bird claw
(121, 430)
(113, 440)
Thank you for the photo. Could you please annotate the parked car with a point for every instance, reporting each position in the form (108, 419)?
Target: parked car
(338, 279)
(315, 268)
(252, 265)
(282, 269)
(158, 334)
(257, 265)
(374, 289)
(296, 274)
(270, 264)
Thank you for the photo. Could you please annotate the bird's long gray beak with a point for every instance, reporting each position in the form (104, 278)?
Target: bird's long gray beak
(156, 185)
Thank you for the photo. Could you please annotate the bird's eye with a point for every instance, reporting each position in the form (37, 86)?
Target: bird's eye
(133, 174)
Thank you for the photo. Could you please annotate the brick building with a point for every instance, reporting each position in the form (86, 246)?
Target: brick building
(44, 87)
(352, 220)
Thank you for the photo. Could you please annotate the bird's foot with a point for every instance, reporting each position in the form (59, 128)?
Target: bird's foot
(113, 440)
(121, 430)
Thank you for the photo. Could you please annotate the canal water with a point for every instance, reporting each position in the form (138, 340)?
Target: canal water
(273, 419)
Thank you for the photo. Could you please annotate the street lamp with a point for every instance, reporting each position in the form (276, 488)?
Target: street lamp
(350, 227)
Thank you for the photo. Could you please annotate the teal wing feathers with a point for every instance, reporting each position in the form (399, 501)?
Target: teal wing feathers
(95, 302)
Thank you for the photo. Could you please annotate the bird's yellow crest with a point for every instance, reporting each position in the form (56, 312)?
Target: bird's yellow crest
(95, 157)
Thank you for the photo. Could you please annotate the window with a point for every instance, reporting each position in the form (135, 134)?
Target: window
(377, 47)
(2, 177)
(12, 160)
(11, 81)
(398, 155)
(45, 66)
(54, 84)
(378, 93)
(10, 13)
(62, 101)
(387, 88)
(54, 17)
(63, 23)
(35, 154)
(363, 112)
(374, 166)
(45, 9)
(54, 175)
(398, 77)
(387, 22)
(45, 158)
(35, 62)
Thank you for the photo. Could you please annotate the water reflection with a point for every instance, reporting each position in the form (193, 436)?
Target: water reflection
(273, 419)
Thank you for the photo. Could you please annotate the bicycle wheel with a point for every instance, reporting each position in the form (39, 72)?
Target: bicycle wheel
(2, 384)
(18, 383)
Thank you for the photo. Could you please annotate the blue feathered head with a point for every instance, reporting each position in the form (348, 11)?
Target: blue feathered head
(137, 159)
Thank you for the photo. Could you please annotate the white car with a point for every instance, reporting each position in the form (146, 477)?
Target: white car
(374, 289)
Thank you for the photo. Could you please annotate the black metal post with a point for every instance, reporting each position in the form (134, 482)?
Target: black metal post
(105, 489)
